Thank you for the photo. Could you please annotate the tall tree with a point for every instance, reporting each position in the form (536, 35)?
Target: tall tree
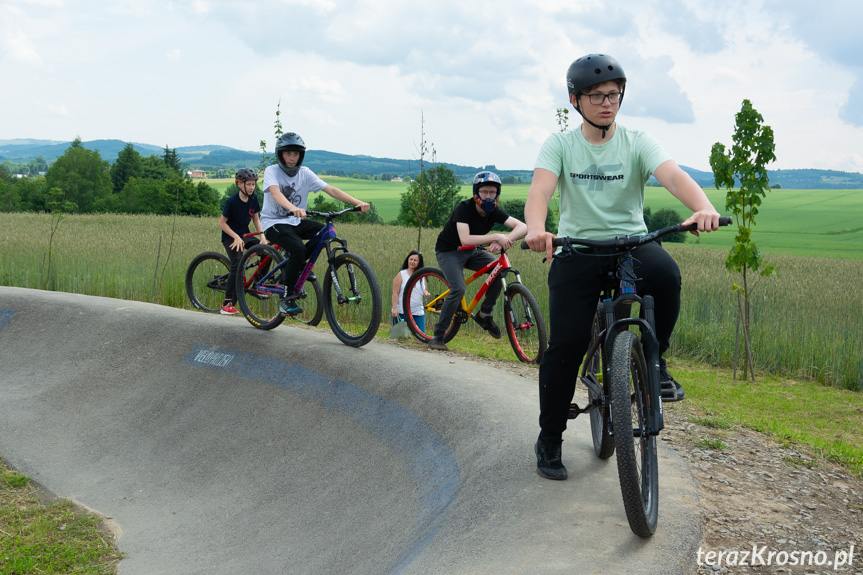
(59, 206)
(745, 163)
(268, 159)
(82, 176)
(128, 165)
(172, 159)
(430, 199)
(38, 165)
(155, 168)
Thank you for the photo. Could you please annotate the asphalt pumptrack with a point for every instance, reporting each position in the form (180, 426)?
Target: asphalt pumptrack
(215, 448)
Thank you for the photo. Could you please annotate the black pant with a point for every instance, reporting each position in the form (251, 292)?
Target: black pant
(234, 257)
(290, 239)
(453, 264)
(574, 283)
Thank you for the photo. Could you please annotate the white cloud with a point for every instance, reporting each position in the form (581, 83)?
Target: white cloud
(15, 44)
(58, 110)
(488, 75)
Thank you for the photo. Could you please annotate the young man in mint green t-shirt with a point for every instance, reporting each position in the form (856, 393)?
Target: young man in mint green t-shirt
(601, 169)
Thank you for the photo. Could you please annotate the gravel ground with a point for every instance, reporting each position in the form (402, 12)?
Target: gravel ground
(766, 506)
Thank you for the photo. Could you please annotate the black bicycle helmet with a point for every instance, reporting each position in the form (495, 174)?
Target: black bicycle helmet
(245, 174)
(290, 141)
(486, 178)
(589, 71)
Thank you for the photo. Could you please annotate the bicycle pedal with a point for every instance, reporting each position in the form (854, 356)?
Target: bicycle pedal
(574, 411)
(672, 392)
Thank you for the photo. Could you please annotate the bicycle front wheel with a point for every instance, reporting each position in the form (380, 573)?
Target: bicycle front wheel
(429, 286)
(524, 324)
(352, 300)
(600, 418)
(206, 277)
(636, 449)
(258, 300)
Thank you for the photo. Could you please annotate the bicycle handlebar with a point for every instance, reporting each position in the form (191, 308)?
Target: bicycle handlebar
(325, 215)
(331, 215)
(626, 242)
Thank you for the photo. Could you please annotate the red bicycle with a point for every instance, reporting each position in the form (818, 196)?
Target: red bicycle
(525, 327)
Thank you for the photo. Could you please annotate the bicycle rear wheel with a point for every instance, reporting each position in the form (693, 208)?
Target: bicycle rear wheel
(352, 300)
(432, 281)
(524, 324)
(259, 301)
(636, 449)
(206, 277)
(311, 300)
(600, 417)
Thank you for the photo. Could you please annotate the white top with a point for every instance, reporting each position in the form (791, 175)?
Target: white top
(416, 295)
(296, 189)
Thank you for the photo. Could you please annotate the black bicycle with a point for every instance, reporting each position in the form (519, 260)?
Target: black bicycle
(351, 294)
(621, 374)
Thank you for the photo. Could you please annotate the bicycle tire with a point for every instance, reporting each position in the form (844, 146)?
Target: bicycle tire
(437, 286)
(600, 416)
(206, 277)
(636, 450)
(357, 317)
(261, 309)
(525, 326)
(311, 300)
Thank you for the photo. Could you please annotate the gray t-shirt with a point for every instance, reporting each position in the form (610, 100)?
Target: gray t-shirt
(296, 189)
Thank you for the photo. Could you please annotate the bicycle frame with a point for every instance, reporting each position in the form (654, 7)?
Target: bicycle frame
(324, 239)
(622, 300)
(646, 325)
(621, 297)
(502, 266)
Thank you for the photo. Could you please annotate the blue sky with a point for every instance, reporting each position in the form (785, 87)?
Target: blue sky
(486, 76)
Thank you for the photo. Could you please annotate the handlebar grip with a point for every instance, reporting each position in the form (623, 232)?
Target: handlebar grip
(524, 245)
(725, 220)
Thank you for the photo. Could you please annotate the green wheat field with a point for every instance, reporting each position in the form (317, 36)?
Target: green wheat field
(806, 321)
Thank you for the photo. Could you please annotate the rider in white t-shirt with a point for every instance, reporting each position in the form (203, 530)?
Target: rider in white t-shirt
(287, 186)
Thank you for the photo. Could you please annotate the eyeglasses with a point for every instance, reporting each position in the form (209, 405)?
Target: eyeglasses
(598, 99)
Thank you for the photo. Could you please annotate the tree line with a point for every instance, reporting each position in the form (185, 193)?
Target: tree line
(133, 184)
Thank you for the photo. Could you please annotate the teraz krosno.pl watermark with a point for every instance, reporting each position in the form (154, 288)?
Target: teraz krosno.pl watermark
(764, 556)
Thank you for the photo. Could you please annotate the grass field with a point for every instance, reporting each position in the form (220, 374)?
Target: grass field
(816, 223)
(805, 321)
(806, 327)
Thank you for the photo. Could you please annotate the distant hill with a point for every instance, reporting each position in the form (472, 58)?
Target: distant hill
(212, 157)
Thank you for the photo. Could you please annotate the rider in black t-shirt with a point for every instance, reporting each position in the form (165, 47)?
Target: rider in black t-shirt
(469, 225)
(241, 209)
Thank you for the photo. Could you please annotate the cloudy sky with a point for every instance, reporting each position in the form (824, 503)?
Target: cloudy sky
(359, 76)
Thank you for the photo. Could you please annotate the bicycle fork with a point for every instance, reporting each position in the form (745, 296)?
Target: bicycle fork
(518, 323)
(650, 344)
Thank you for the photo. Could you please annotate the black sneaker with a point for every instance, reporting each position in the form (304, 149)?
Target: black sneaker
(548, 461)
(487, 323)
(289, 306)
(438, 344)
(670, 389)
